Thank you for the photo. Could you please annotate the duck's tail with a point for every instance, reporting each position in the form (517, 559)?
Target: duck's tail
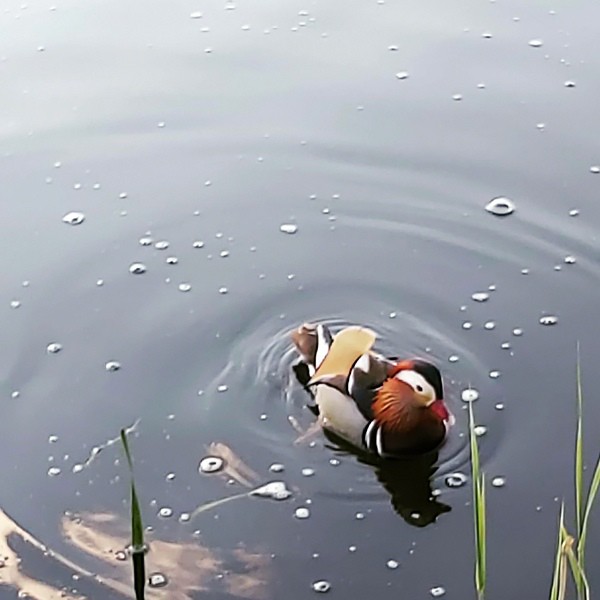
(313, 343)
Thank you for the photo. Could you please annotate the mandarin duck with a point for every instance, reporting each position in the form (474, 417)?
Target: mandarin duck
(386, 407)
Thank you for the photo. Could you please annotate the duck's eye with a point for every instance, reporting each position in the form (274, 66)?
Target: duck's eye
(419, 388)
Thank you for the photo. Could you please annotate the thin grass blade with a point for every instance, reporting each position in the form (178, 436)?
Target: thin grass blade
(591, 498)
(579, 452)
(557, 591)
(583, 588)
(478, 482)
(138, 551)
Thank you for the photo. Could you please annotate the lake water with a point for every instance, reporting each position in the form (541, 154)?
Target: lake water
(187, 133)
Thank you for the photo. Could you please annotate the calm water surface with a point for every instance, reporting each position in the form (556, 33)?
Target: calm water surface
(380, 131)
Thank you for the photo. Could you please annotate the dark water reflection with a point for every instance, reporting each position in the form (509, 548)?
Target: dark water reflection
(220, 129)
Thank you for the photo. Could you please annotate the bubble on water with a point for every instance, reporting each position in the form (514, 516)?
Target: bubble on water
(223, 290)
(453, 358)
(222, 388)
(112, 365)
(171, 260)
(541, 126)
(499, 481)
(184, 517)
(74, 218)
(276, 468)
(15, 303)
(574, 212)
(455, 480)
(161, 124)
(494, 374)
(165, 512)
(457, 97)
(505, 345)
(302, 513)
(224, 253)
(76, 186)
(289, 228)
(467, 325)
(402, 75)
(334, 462)
(500, 206)
(15, 394)
(499, 406)
(157, 580)
(161, 245)
(211, 464)
(54, 471)
(308, 472)
(437, 592)
(595, 169)
(489, 325)
(480, 296)
(274, 490)
(137, 268)
(524, 271)
(146, 241)
(392, 564)
(77, 468)
(570, 260)
(54, 348)
(469, 395)
(517, 331)
(96, 186)
(322, 586)
(52, 439)
(198, 244)
(184, 287)
(536, 43)
(480, 430)
(486, 35)
(196, 15)
(121, 555)
(393, 47)
(548, 320)
(359, 516)
(570, 84)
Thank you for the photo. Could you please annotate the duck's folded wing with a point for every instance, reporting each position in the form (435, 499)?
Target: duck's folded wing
(366, 377)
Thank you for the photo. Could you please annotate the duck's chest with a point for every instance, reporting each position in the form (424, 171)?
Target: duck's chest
(340, 414)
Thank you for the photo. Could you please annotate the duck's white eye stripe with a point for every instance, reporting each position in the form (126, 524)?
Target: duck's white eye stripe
(417, 382)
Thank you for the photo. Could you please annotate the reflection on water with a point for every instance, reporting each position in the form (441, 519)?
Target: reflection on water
(191, 567)
(406, 480)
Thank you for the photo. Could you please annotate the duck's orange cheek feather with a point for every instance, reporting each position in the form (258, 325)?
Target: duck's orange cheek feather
(392, 400)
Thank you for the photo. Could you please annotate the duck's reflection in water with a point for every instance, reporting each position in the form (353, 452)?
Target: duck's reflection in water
(407, 480)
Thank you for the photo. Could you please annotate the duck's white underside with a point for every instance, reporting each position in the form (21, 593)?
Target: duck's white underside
(340, 414)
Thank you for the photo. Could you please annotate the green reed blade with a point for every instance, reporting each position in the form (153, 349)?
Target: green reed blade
(591, 497)
(579, 452)
(581, 582)
(479, 516)
(137, 530)
(557, 592)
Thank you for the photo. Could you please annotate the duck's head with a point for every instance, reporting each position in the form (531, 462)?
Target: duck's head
(410, 404)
